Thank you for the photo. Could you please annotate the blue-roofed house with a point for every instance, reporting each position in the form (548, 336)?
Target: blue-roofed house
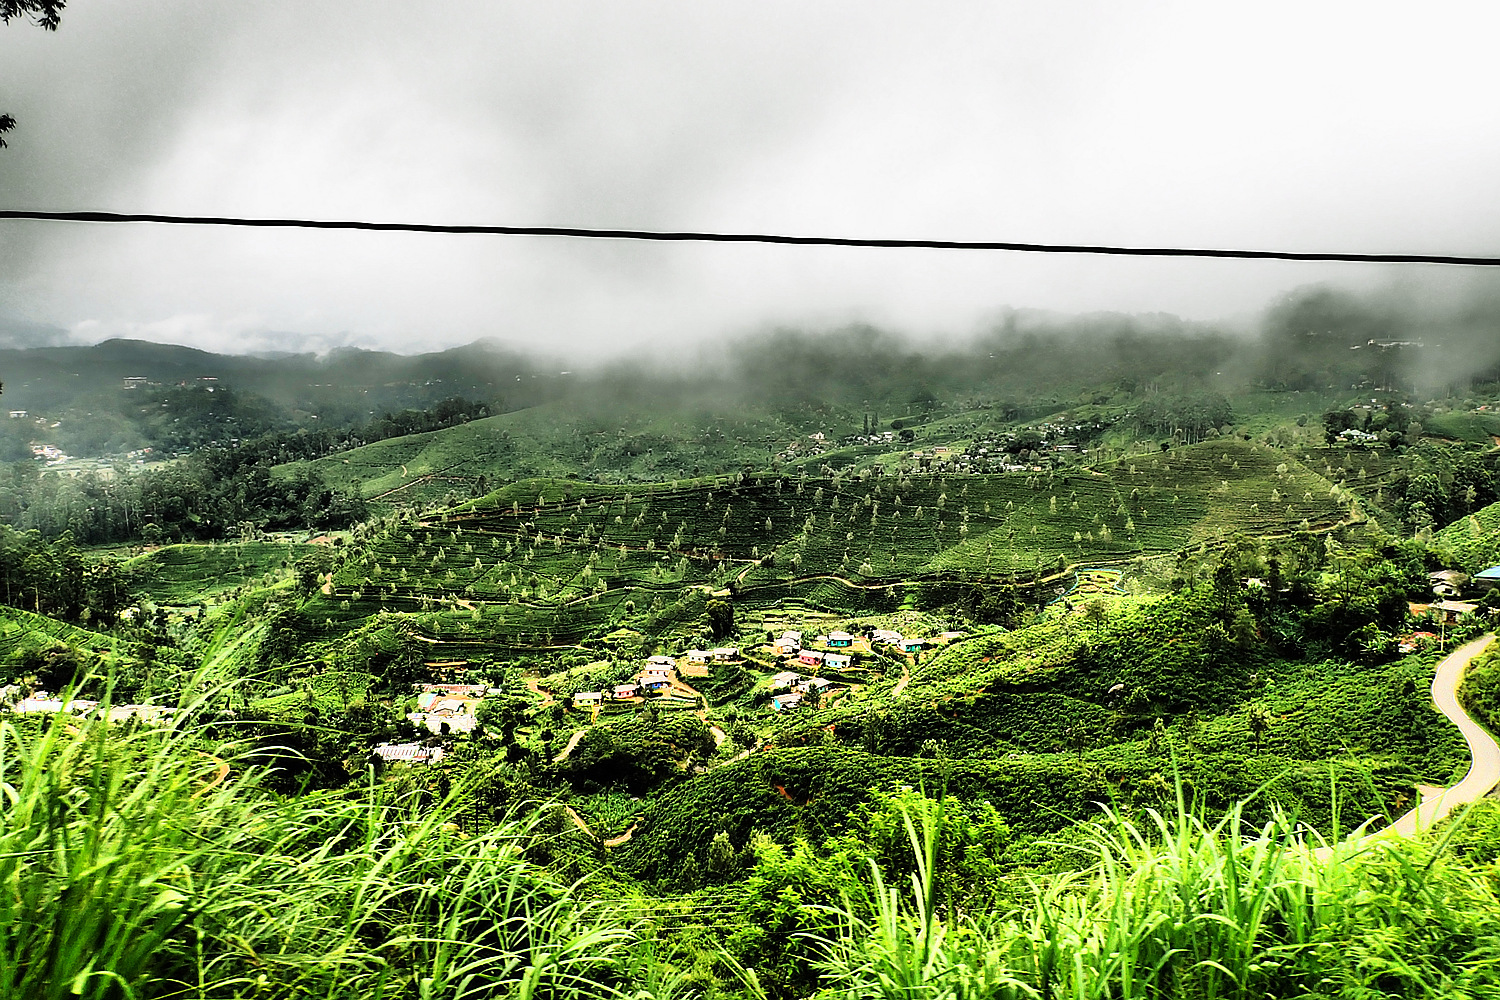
(1487, 579)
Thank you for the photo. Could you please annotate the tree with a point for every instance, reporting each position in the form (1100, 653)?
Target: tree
(45, 14)
(1257, 720)
(720, 618)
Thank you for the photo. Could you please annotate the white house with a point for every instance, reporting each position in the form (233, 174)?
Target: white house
(785, 679)
(662, 661)
(587, 699)
(698, 657)
(837, 661)
(840, 639)
(886, 636)
(724, 654)
(408, 753)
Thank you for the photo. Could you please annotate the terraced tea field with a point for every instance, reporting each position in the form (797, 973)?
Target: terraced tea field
(186, 574)
(555, 559)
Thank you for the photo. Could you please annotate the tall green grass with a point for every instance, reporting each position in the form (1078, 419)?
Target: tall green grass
(1176, 906)
(132, 865)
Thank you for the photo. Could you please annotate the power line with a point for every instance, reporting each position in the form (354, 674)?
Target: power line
(655, 236)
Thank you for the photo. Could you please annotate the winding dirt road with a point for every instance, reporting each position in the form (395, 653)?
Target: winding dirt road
(572, 743)
(1484, 771)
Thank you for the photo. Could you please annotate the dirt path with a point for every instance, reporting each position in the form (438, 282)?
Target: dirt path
(719, 735)
(1484, 772)
(623, 838)
(900, 687)
(572, 742)
(531, 686)
(220, 774)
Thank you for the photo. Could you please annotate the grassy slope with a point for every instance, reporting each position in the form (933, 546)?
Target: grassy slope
(22, 629)
(1467, 426)
(1474, 540)
(185, 574)
(651, 439)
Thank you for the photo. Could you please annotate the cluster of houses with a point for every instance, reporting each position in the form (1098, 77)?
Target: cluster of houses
(448, 705)
(817, 445)
(657, 674)
(1448, 587)
(789, 688)
(878, 437)
(838, 646)
(46, 704)
(790, 645)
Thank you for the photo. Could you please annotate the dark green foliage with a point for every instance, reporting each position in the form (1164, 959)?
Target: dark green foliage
(1480, 691)
(638, 755)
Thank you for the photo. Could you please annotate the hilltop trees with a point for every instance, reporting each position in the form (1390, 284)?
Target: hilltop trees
(1189, 417)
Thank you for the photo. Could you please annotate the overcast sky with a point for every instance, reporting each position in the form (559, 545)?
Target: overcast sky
(1359, 127)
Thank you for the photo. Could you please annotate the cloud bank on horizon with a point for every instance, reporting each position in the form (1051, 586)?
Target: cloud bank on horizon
(1333, 127)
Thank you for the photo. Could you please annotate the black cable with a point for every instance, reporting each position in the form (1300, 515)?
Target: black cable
(691, 237)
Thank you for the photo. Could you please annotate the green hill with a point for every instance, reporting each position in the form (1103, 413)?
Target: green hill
(1473, 540)
(627, 441)
(552, 557)
(186, 574)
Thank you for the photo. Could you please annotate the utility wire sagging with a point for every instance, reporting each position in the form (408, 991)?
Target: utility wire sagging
(697, 237)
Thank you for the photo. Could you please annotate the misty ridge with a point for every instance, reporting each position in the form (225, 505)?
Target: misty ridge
(1319, 340)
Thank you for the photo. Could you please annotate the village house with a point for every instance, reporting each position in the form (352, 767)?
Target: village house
(808, 684)
(662, 661)
(785, 679)
(725, 654)
(438, 714)
(1452, 611)
(587, 699)
(811, 657)
(1416, 641)
(911, 645)
(840, 639)
(1487, 580)
(698, 657)
(407, 753)
(886, 637)
(40, 702)
(782, 702)
(457, 690)
(656, 678)
(1447, 582)
(624, 691)
(787, 647)
(837, 661)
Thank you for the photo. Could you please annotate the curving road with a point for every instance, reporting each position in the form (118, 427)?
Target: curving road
(1484, 771)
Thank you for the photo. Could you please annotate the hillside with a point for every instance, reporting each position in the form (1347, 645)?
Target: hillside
(572, 555)
(641, 440)
(187, 574)
(1474, 540)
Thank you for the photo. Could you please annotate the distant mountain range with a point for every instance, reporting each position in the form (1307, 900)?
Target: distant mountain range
(347, 383)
